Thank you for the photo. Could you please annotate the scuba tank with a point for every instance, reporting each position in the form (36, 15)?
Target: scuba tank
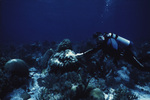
(128, 54)
(120, 39)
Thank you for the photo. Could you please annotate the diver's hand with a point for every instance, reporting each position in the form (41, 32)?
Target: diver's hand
(109, 35)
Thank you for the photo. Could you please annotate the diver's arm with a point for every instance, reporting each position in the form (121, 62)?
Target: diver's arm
(88, 52)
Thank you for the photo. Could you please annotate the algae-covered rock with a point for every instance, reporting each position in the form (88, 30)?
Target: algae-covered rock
(65, 44)
(64, 60)
(25, 96)
(17, 67)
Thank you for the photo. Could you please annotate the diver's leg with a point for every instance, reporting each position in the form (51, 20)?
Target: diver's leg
(130, 57)
(140, 66)
(115, 61)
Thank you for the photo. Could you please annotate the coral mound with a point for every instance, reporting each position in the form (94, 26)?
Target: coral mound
(17, 67)
(65, 44)
(64, 60)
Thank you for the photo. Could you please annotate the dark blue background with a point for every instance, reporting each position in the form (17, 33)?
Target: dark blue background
(24, 21)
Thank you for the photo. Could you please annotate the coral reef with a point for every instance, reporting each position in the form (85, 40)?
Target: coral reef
(60, 75)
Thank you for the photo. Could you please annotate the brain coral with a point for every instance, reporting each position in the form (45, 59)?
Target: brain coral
(17, 67)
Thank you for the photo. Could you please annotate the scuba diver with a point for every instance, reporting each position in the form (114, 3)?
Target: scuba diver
(116, 47)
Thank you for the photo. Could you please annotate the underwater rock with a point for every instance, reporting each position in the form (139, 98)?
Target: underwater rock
(45, 45)
(35, 46)
(59, 84)
(63, 61)
(65, 44)
(123, 74)
(45, 58)
(3, 85)
(8, 83)
(85, 92)
(123, 93)
(29, 59)
(2, 61)
(97, 94)
(145, 52)
(17, 67)
(97, 83)
(25, 96)
(74, 87)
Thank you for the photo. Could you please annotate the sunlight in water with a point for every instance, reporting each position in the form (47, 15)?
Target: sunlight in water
(106, 12)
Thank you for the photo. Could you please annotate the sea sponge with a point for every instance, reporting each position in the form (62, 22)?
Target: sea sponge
(17, 67)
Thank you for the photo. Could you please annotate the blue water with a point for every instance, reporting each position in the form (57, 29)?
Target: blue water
(24, 21)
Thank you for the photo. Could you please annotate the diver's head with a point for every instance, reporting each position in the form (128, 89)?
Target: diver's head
(100, 37)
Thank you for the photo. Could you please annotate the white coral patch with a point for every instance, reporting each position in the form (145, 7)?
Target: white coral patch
(56, 62)
(63, 58)
(70, 53)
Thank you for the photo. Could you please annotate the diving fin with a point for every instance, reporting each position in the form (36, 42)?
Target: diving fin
(141, 66)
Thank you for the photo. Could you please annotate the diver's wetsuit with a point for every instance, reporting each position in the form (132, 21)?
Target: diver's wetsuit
(111, 47)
